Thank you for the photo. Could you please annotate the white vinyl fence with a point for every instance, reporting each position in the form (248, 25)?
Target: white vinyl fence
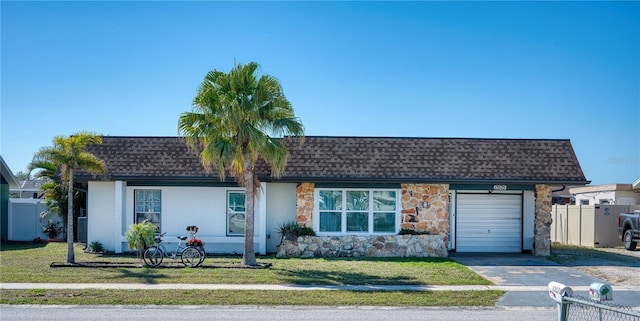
(24, 223)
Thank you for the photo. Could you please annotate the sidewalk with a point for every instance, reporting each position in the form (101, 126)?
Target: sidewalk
(516, 296)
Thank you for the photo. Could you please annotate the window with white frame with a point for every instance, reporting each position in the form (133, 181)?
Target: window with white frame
(148, 206)
(236, 211)
(353, 211)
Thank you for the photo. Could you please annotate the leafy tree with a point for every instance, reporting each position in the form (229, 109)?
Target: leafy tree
(23, 176)
(69, 155)
(230, 125)
(53, 189)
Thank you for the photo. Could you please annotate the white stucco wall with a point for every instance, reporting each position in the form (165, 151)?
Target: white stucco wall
(101, 224)
(281, 208)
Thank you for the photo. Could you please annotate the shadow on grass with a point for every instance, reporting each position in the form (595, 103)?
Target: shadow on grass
(318, 277)
(144, 275)
(7, 246)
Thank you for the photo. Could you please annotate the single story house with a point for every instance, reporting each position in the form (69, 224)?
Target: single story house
(357, 193)
(608, 194)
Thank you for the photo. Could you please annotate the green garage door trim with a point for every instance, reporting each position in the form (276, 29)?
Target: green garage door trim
(489, 223)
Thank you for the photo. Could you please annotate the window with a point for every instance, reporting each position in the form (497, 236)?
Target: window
(356, 211)
(148, 206)
(584, 202)
(235, 213)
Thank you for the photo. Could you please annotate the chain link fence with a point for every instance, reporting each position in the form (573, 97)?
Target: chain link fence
(586, 309)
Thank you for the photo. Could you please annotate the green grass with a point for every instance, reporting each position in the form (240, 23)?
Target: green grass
(572, 255)
(249, 297)
(30, 262)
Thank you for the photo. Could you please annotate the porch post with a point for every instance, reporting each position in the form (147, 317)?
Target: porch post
(119, 193)
(542, 227)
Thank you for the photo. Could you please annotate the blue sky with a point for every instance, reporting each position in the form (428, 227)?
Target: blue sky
(568, 70)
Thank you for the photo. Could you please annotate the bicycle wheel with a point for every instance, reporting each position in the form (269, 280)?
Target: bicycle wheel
(153, 256)
(191, 256)
(203, 254)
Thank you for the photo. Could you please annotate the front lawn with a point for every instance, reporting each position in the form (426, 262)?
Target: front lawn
(30, 262)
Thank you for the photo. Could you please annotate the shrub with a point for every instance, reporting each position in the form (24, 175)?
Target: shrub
(95, 247)
(405, 231)
(140, 236)
(291, 230)
(52, 229)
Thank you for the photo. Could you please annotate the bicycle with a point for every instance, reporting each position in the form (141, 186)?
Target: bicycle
(191, 256)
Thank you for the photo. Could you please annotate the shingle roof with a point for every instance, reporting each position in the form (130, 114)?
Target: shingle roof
(362, 159)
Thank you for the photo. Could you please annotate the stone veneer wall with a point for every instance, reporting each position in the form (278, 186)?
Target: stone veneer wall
(542, 227)
(367, 245)
(304, 204)
(435, 217)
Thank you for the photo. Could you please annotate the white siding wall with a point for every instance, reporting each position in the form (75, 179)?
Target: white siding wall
(281, 208)
(101, 224)
(184, 206)
(109, 215)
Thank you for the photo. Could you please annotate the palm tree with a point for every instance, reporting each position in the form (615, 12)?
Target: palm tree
(230, 125)
(68, 154)
(53, 189)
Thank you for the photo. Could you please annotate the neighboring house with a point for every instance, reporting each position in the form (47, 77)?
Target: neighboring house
(561, 195)
(7, 181)
(27, 189)
(357, 193)
(610, 194)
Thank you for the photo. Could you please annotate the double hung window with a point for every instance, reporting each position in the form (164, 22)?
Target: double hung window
(148, 206)
(236, 211)
(353, 211)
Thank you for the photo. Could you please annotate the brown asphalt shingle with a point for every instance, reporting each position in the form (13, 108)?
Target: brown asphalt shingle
(362, 159)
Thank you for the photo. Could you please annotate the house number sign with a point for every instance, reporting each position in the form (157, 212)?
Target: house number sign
(499, 187)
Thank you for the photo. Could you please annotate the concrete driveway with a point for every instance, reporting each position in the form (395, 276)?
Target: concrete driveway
(525, 277)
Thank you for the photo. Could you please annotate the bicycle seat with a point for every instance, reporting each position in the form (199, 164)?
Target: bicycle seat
(182, 238)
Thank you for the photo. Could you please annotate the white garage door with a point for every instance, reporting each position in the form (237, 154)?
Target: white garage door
(489, 223)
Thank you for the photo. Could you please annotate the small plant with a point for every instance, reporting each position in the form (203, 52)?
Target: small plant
(95, 247)
(140, 236)
(52, 229)
(406, 231)
(292, 230)
(195, 242)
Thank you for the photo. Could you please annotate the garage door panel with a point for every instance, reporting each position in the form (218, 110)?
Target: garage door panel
(489, 223)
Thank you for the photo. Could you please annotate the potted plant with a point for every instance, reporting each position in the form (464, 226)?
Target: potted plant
(140, 236)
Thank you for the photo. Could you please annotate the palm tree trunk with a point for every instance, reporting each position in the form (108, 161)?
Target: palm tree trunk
(70, 255)
(248, 255)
